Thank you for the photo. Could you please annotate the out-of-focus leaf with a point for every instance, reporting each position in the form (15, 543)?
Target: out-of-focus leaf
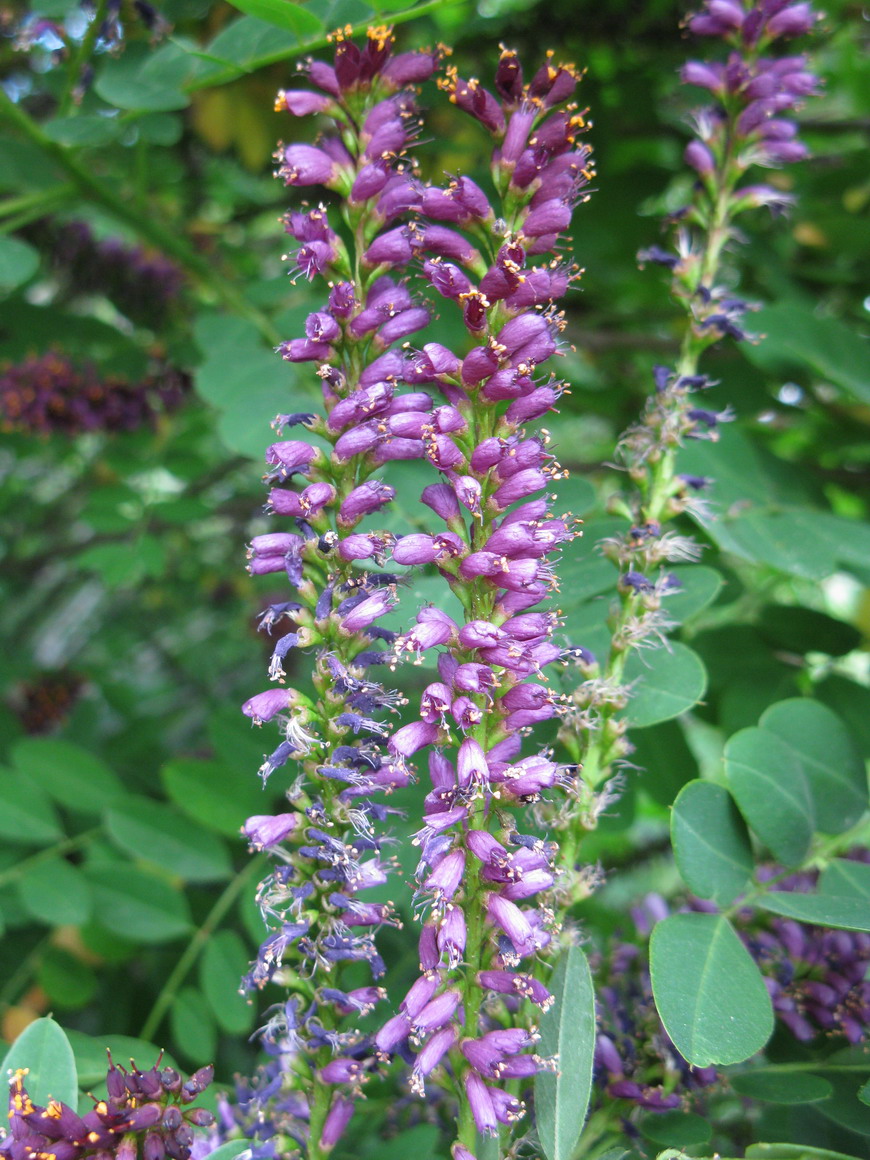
(25, 166)
(118, 565)
(711, 842)
(796, 337)
(282, 14)
(803, 630)
(772, 792)
(421, 1142)
(781, 1085)
(224, 961)
(793, 1152)
(667, 682)
(18, 263)
(234, 1148)
(85, 129)
(143, 79)
(700, 587)
(75, 778)
(828, 759)
(217, 795)
(677, 1129)
(26, 814)
(67, 981)
(851, 702)
(44, 1050)
(137, 904)
(664, 760)
(193, 1026)
(708, 990)
(584, 572)
(55, 892)
(154, 832)
(248, 383)
(844, 1106)
(782, 537)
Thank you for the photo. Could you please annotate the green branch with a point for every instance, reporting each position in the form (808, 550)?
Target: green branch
(195, 947)
(137, 215)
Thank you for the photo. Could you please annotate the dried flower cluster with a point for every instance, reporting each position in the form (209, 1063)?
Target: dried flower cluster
(50, 393)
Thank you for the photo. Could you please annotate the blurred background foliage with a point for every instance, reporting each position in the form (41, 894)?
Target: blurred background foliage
(142, 288)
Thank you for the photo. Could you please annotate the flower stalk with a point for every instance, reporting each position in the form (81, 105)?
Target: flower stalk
(745, 126)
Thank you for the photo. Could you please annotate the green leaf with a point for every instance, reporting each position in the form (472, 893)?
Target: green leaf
(83, 129)
(138, 905)
(71, 775)
(43, 1048)
(711, 842)
(154, 832)
(193, 1026)
(802, 630)
(66, 980)
(55, 892)
(677, 1129)
(777, 1085)
(665, 761)
(118, 565)
(846, 878)
(144, 79)
(793, 1152)
(26, 816)
(421, 1142)
(90, 1055)
(844, 1106)
(851, 702)
(700, 587)
(247, 382)
(224, 961)
(819, 909)
(667, 682)
(234, 1148)
(282, 14)
(160, 128)
(575, 495)
(772, 792)
(220, 796)
(828, 758)
(567, 1030)
(796, 337)
(708, 990)
(784, 538)
(864, 1093)
(18, 263)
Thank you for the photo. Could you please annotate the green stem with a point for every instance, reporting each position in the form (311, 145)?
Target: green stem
(45, 201)
(14, 873)
(136, 214)
(79, 59)
(195, 947)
